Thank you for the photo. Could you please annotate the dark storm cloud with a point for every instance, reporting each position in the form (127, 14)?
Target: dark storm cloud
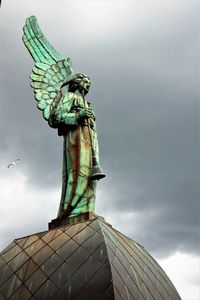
(144, 92)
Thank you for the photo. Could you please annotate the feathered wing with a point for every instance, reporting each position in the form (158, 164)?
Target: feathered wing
(50, 72)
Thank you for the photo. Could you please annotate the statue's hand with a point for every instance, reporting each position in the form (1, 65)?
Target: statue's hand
(86, 113)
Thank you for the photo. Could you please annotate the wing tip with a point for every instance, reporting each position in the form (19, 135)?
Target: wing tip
(26, 25)
(32, 17)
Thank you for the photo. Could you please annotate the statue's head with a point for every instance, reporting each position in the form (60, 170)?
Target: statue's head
(79, 82)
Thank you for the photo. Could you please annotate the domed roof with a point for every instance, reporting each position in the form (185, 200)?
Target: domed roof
(86, 260)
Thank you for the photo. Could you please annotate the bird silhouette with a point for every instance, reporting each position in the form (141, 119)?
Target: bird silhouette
(13, 163)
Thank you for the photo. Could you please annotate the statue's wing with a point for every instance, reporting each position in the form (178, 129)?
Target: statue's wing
(50, 72)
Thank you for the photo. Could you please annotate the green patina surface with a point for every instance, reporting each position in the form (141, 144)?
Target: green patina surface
(70, 114)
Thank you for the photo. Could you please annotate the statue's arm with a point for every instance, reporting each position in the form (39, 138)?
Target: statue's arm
(75, 118)
(70, 118)
(66, 113)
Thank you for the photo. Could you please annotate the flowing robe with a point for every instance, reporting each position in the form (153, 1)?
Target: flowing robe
(78, 191)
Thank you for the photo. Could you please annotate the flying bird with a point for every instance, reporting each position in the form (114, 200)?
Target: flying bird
(13, 163)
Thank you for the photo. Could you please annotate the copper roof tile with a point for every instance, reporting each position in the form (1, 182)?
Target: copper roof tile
(67, 249)
(36, 280)
(27, 270)
(41, 256)
(18, 261)
(46, 291)
(51, 235)
(59, 241)
(5, 272)
(11, 253)
(10, 286)
(21, 293)
(35, 247)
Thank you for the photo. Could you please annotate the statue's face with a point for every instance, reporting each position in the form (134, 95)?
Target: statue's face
(80, 83)
(83, 83)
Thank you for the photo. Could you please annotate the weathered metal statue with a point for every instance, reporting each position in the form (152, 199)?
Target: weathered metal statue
(73, 117)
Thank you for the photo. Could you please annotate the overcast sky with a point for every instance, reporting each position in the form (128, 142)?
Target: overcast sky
(142, 58)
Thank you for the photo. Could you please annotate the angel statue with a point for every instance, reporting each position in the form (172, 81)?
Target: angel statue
(71, 115)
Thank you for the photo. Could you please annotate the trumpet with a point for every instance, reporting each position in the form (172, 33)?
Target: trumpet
(96, 171)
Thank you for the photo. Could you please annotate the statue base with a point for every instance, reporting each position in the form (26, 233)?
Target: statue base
(58, 222)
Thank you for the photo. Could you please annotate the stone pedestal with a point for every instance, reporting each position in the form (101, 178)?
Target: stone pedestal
(87, 260)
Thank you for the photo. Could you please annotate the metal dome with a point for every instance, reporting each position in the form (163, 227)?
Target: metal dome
(84, 261)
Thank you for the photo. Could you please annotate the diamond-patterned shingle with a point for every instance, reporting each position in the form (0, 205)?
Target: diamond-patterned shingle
(86, 260)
